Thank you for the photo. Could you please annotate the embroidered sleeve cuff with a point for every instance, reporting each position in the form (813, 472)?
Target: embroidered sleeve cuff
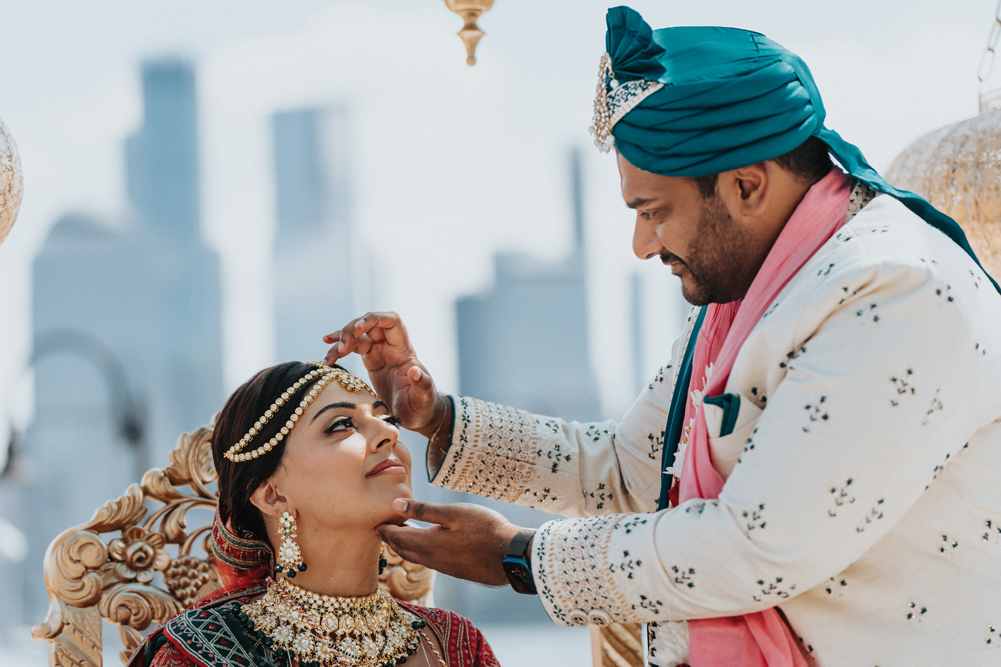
(505, 454)
(571, 566)
(435, 452)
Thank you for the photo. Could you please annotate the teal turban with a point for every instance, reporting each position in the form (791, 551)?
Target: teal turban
(694, 101)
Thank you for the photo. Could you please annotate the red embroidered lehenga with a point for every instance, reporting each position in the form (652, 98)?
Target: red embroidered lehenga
(211, 634)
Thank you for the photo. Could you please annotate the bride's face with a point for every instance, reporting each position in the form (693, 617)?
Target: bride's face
(343, 463)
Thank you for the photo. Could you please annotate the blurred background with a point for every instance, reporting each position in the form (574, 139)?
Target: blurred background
(210, 187)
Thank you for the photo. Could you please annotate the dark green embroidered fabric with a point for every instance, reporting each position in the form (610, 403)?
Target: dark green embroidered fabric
(217, 637)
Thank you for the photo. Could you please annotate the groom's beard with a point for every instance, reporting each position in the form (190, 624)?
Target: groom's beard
(715, 271)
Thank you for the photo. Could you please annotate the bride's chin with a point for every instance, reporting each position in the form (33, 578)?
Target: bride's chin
(395, 520)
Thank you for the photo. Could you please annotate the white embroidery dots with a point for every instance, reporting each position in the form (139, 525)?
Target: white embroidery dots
(794, 354)
(656, 445)
(903, 386)
(600, 495)
(662, 374)
(576, 577)
(946, 293)
(993, 533)
(841, 496)
(754, 519)
(683, 576)
(936, 406)
(816, 413)
(868, 313)
(836, 585)
(775, 588)
(875, 514)
(599, 618)
(498, 450)
(915, 612)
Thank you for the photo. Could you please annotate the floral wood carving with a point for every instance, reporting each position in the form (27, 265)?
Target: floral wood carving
(92, 575)
(617, 645)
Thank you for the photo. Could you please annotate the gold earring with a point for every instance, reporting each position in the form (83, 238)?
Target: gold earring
(382, 558)
(289, 554)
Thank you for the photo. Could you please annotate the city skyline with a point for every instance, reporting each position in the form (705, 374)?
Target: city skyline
(454, 179)
(434, 219)
(106, 409)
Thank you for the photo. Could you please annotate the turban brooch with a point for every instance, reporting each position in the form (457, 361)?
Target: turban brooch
(694, 101)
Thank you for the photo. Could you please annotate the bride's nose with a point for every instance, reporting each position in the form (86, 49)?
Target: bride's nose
(384, 434)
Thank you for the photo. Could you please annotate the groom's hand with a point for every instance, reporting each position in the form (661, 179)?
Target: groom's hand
(398, 376)
(467, 541)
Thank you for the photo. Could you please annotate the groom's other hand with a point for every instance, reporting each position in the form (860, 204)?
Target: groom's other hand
(398, 376)
(467, 541)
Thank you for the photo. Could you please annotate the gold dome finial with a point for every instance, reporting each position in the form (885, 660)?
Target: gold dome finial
(992, 99)
(958, 169)
(10, 181)
(470, 11)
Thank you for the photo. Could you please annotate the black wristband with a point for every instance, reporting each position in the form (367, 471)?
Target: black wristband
(516, 563)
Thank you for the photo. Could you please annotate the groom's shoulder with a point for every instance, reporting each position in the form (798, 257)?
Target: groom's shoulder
(887, 234)
(886, 247)
(884, 259)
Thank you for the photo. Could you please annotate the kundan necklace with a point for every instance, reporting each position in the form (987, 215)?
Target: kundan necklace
(369, 631)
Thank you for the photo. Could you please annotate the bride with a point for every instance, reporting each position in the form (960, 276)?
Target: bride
(309, 464)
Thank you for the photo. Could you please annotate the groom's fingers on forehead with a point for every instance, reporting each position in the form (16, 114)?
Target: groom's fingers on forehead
(363, 344)
(346, 343)
(348, 328)
(389, 322)
(332, 355)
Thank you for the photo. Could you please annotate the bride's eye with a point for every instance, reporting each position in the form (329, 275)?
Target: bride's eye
(395, 421)
(339, 425)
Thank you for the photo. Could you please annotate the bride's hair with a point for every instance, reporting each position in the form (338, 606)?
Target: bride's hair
(239, 480)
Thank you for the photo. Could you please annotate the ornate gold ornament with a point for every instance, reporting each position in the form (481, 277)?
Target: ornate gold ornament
(11, 183)
(470, 11)
(617, 645)
(346, 380)
(613, 100)
(106, 569)
(958, 169)
(369, 631)
(992, 99)
(289, 555)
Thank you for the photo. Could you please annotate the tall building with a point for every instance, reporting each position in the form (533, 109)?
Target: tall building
(127, 330)
(553, 376)
(321, 273)
(162, 157)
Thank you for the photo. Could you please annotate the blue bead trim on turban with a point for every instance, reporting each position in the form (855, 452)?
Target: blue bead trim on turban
(727, 98)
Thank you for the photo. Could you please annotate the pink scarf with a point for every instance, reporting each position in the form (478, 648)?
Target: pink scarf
(761, 639)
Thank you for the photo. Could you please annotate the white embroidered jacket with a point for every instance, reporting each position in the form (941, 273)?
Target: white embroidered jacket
(865, 492)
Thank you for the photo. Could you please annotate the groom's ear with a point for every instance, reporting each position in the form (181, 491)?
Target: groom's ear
(268, 499)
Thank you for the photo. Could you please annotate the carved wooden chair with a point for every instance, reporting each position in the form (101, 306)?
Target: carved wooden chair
(617, 645)
(136, 563)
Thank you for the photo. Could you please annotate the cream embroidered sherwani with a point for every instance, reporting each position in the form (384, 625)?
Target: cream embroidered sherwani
(865, 494)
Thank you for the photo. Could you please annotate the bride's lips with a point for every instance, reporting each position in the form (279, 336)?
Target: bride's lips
(390, 466)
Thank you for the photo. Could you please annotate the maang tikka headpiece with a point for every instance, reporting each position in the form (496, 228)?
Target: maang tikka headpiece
(327, 375)
(613, 100)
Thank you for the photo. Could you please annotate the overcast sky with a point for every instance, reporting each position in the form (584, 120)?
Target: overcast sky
(451, 163)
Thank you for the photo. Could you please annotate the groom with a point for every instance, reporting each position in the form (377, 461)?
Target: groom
(829, 490)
